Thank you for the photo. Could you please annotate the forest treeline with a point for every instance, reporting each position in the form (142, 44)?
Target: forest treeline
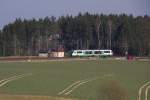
(120, 33)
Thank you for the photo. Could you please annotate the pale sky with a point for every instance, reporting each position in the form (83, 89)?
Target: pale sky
(12, 9)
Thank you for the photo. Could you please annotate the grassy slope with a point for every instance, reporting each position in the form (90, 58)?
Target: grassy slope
(49, 78)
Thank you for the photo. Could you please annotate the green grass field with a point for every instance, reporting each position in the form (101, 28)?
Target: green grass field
(50, 78)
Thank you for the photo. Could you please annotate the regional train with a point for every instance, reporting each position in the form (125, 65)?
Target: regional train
(90, 53)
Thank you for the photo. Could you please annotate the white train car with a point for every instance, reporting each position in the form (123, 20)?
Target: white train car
(88, 53)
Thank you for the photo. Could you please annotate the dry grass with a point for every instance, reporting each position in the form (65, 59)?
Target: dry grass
(30, 97)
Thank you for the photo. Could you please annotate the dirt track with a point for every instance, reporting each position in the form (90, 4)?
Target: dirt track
(22, 58)
(40, 59)
(36, 58)
(30, 97)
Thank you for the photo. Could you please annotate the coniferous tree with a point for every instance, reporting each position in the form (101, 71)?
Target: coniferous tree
(120, 33)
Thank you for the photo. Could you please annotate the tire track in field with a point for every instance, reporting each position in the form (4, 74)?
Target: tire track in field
(70, 86)
(146, 91)
(7, 80)
(15, 76)
(73, 85)
(81, 83)
(76, 84)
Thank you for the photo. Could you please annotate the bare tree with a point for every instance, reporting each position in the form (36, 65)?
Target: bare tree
(15, 44)
(109, 34)
(98, 24)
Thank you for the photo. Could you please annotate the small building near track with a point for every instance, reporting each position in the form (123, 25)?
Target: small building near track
(56, 54)
(43, 54)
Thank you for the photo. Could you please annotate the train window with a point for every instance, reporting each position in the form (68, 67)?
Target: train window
(75, 52)
(98, 52)
(106, 51)
(88, 52)
(79, 51)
